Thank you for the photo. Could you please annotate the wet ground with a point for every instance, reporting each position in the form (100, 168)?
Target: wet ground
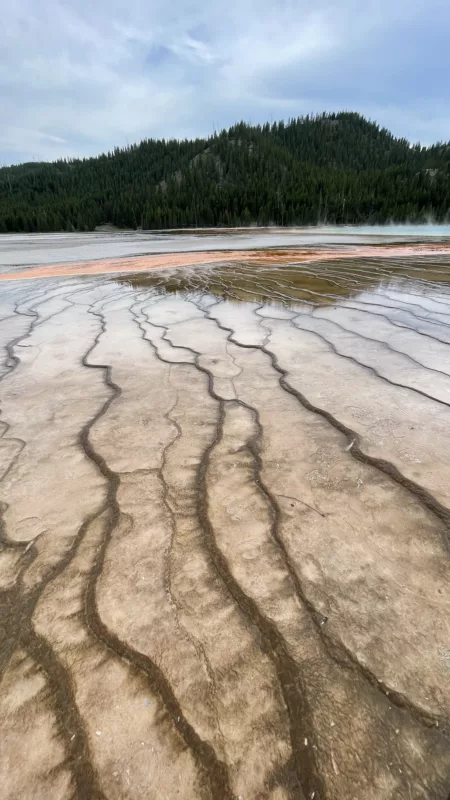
(224, 565)
(41, 249)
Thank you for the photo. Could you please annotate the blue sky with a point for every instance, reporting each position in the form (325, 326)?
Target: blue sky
(79, 77)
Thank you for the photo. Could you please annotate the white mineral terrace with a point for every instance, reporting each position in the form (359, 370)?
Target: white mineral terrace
(224, 495)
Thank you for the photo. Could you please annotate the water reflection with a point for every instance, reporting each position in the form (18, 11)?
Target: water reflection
(313, 283)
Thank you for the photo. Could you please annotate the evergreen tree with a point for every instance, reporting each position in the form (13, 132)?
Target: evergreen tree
(329, 168)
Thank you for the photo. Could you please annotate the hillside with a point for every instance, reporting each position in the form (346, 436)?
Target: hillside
(335, 168)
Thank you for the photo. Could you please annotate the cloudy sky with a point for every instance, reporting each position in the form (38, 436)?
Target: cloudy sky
(80, 76)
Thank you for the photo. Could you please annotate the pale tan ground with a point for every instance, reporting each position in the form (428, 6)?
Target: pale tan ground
(224, 567)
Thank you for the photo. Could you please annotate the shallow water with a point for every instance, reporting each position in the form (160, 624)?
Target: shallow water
(224, 544)
(51, 248)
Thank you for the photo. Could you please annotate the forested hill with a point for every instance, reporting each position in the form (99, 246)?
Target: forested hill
(331, 168)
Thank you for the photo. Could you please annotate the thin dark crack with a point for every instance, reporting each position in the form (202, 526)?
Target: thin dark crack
(402, 306)
(308, 778)
(12, 362)
(336, 649)
(272, 642)
(367, 367)
(297, 500)
(213, 771)
(424, 497)
(5, 541)
(393, 349)
(18, 607)
(196, 643)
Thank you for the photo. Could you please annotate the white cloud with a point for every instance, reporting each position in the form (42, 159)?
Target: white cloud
(78, 77)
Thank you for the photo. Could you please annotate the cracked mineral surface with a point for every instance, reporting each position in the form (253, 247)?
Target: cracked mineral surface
(224, 537)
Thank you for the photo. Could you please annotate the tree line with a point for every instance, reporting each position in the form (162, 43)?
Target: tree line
(327, 168)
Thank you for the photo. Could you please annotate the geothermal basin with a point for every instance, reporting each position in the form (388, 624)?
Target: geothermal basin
(224, 495)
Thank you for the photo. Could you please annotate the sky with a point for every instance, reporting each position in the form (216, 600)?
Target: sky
(78, 77)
